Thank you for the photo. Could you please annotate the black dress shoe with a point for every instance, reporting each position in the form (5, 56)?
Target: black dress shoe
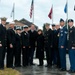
(32, 64)
(40, 65)
(25, 66)
(17, 66)
(71, 71)
(11, 67)
(1, 68)
(62, 69)
(49, 66)
(58, 67)
(46, 65)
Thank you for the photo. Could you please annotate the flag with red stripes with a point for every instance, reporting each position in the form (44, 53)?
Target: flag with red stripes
(31, 9)
(50, 13)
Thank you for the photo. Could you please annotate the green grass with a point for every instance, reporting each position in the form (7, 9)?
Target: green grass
(9, 72)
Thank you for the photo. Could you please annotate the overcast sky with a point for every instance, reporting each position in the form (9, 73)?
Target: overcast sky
(42, 8)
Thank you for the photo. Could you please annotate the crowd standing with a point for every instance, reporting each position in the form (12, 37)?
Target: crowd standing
(55, 42)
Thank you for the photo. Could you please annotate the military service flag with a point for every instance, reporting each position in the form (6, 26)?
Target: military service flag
(65, 9)
(50, 13)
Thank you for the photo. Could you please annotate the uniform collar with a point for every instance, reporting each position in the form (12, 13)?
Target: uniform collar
(62, 27)
(12, 29)
(25, 32)
(71, 27)
(19, 34)
(32, 30)
(3, 25)
(48, 30)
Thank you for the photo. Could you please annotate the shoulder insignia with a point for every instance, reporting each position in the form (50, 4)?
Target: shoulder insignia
(65, 32)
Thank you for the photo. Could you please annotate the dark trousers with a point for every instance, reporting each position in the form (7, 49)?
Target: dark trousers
(25, 56)
(56, 57)
(31, 55)
(18, 56)
(62, 52)
(2, 56)
(40, 61)
(72, 59)
(48, 56)
(10, 57)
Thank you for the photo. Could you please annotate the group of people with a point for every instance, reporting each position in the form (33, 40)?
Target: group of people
(14, 43)
(54, 42)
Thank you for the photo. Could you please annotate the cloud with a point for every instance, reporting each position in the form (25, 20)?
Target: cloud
(42, 8)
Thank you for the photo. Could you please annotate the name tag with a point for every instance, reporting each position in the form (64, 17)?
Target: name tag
(65, 32)
(61, 31)
(71, 31)
(61, 34)
(58, 35)
(24, 33)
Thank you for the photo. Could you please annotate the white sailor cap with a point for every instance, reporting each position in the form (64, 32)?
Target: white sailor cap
(11, 22)
(25, 26)
(18, 28)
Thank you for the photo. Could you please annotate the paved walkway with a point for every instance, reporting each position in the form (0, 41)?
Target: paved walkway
(35, 70)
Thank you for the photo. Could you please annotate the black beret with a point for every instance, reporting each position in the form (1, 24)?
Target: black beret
(70, 20)
(61, 20)
(53, 25)
(47, 24)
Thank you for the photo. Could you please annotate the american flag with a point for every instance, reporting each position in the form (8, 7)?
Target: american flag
(32, 8)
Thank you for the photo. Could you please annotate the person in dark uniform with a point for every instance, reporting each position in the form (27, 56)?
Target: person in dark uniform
(2, 42)
(71, 45)
(25, 46)
(62, 44)
(57, 43)
(11, 43)
(40, 47)
(54, 53)
(33, 37)
(48, 45)
(18, 47)
(55, 50)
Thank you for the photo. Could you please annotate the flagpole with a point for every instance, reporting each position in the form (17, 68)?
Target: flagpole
(33, 12)
(67, 14)
(67, 21)
(13, 11)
